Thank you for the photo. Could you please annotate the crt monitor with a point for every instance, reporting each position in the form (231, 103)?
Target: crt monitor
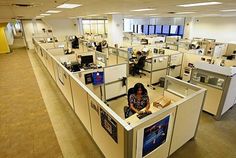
(86, 60)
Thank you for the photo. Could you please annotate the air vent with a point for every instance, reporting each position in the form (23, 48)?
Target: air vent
(171, 12)
(23, 5)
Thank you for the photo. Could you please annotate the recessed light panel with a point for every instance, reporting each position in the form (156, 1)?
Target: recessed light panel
(141, 10)
(68, 6)
(45, 14)
(53, 11)
(200, 4)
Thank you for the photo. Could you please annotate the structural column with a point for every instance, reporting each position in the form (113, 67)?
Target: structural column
(115, 29)
(4, 47)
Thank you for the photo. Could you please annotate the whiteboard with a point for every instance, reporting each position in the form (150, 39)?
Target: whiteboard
(115, 73)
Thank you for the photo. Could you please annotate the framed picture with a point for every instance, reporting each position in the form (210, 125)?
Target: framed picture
(150, 138)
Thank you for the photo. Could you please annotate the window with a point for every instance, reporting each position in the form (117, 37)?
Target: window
(95, 26)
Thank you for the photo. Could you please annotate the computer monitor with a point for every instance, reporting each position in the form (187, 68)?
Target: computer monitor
(86, 60)
(130, 51)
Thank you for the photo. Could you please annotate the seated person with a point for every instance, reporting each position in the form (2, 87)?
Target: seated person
(138, 55)
(139, 99)
(138, 64)
(98, 47)
(75, 42)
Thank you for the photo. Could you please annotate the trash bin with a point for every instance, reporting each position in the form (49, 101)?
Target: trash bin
(162, 82)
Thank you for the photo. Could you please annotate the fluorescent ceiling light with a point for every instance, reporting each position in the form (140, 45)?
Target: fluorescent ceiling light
(69, 6)
(93, 15)
(229, 10)
(39, 17)
(180, 13)
(141, 10)
(151, 14)
(112, 13)
(211, 15)
(45, 14)
(199, 4)
(53, 11)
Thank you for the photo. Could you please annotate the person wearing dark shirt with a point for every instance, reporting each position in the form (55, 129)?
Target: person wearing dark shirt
(139, 100)
(98, 47)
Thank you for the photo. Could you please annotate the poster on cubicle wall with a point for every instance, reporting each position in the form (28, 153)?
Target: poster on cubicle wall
(152, 137)
(109, 125)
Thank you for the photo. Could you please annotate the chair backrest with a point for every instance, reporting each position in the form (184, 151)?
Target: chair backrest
(130, 91)
(141, 61)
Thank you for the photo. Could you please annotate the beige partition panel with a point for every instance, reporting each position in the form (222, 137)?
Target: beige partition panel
(63, 82)
(109, 147)
(81, 106)
(138, 135)
(211, 105)
(175, 72)
(156, 75)
(186, 122)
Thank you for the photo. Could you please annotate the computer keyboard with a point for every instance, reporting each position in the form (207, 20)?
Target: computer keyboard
(142, 115)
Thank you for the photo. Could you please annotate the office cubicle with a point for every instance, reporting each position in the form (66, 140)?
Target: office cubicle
(119, 138)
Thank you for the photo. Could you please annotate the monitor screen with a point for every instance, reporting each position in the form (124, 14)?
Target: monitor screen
(165, 29)
(174, 29)
(151, 29)
(158, 29)
(86, 60)
(145, 29)
(98, 78)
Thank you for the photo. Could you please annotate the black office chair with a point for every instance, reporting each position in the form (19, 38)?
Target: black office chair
(137, 68)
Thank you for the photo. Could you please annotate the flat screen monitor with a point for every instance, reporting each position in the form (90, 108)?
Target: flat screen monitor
(98, 78)
(158, 29)
(151, 29)
(174, 29)
(145, 29)
(166, 29)
(86, 60)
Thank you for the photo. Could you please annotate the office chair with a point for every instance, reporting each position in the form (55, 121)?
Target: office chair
(137, 68)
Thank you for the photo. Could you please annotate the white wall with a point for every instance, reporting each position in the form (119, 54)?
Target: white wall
(32, 27)
(9, 34)
(223, 29)
(62, 27)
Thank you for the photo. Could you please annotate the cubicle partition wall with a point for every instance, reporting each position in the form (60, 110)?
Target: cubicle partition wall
(165, 131)
(157, 135)
(115, 81)
(101, 58)
(162, 65)
(157, 66)
(175, 64)
(117, 56)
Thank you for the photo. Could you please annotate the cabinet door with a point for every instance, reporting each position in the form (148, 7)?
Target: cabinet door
(212, 100)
